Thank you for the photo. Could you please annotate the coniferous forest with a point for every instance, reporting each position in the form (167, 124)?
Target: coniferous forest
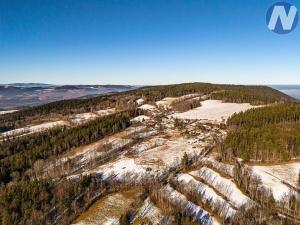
(266, 134)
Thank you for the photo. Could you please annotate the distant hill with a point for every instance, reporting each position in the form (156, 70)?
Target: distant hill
(20, 95)
(256, 95)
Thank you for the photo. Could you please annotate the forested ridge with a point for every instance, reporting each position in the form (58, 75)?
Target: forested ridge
(265, 134)
(20, 155)
(232, 93)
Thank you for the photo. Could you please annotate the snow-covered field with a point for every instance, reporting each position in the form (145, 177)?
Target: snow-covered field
(7, 112)
(108, 209)
(34, 129)
(272, 177)
(214, 110)
(223, 185)
(288, 172)
(77, 119)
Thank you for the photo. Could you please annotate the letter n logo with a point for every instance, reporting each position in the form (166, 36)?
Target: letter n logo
(282, 18)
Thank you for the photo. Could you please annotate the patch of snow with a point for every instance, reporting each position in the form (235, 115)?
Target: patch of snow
(223, 185)
(122, 168)
(140, 102)
(141, 118)
(213, 110)
(147, 107)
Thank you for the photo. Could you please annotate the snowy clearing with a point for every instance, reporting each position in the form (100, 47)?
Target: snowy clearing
(288, 172)
(122, 168)
(272, 177)
(150, 162)
(35, 128)
(223, 185)
(7, 112)
(213, 110)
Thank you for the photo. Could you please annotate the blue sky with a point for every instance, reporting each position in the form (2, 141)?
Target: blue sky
(144, 42)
